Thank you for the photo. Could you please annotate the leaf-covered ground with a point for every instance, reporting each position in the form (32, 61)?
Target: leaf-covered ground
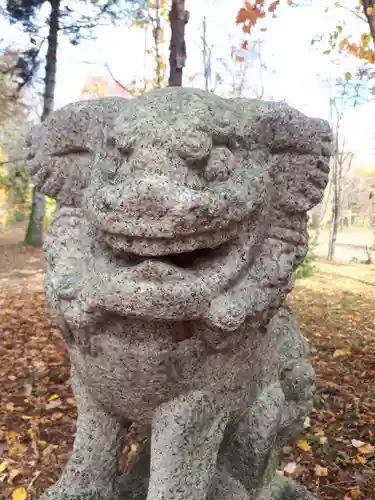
(334, 457)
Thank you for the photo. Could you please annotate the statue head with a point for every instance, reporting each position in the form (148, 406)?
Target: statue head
(197, 203)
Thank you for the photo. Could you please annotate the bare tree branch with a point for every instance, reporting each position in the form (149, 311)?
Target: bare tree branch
(116, 80)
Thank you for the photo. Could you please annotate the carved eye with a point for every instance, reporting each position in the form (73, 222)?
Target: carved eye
(124, 146)
(220, 165)
(73, 150)
(126, 149)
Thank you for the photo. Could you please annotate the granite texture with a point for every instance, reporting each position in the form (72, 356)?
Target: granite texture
(181, 217)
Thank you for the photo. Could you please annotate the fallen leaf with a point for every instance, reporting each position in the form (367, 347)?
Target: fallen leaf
(290, 468)
(19, 494)
(13, 474)
(53, 404)
(366, 449)
(303, 445)
(35, 477)
(341, 352)
(4, 465)
(355, 492)
(28, 389)
(53, 397)
(321, 471)
(357, 444)
(307, 423)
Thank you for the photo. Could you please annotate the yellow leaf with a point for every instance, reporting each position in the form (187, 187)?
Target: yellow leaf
(341, 352)
(53, 397)
(326, 10)
(290, 2)
(132, 451)
(366, 449)
(361, 460)
(348, 76)
(337, 4)
(19, 494)
(303, 445)
(369, 10)
(326, 52)
(365, 39)
(3, 465)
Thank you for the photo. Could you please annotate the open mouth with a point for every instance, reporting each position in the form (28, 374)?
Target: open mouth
(182, 260)
(190, 261)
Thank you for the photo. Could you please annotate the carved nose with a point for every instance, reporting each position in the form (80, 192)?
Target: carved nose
(154, 195)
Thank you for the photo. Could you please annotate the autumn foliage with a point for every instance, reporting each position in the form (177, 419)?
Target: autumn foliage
(251, 12)
(364, 48)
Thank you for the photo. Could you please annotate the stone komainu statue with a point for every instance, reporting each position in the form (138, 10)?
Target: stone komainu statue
(180, 219)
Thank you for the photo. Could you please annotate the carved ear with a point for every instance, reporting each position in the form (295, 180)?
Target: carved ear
(61, 150)
(299, 149)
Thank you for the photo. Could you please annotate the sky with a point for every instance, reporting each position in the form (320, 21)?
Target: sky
(296, 70)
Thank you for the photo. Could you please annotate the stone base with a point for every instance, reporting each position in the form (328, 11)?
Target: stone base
(280, 488)
(136, 488)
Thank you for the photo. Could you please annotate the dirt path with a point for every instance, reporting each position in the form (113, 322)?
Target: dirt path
(18, 262)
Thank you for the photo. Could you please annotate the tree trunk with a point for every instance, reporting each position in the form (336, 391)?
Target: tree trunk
(369, 11)
(336, 213)
(205, 55)
(322, 214)
(178, 18)
(34, 232)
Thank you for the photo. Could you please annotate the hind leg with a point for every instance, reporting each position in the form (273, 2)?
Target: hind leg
(246, 457)
(249, 454)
